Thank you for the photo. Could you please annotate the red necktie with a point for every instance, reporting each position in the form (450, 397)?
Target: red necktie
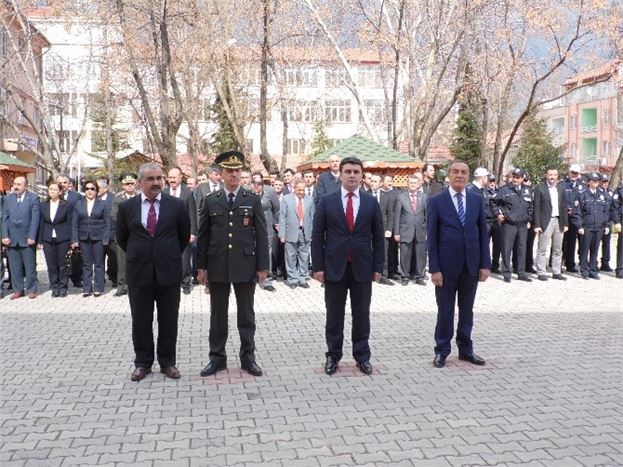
(350, 213)
(151, 218)
(299, 210)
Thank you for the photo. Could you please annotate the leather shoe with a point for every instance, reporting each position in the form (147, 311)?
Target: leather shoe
(270, 288)
(291, 285)
(439, 361)
(252, 368)
(213, 367)
(330, 365)
(120, 293)
(171, 372)
(385, 281)
(472, 358)
(559, 277)
(405, 281)
(186, 290)
(420, 281)
(304, 285)
(62, 293)
(507, 280)
(619, 275)
(524, 278)
(365, 367)
(32, 295)
(139, 373)
(542, 277)
(16, 295)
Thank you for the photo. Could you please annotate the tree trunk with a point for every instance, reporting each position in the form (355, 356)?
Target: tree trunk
(617, 174)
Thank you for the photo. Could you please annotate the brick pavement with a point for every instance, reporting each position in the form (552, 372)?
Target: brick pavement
(550, 393)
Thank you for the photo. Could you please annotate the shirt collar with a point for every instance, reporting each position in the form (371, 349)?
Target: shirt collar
(345, 192)
(235, 192)
(454, 192)
(143, 197)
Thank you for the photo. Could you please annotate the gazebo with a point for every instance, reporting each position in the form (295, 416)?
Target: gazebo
(11, 167)
(377, 159)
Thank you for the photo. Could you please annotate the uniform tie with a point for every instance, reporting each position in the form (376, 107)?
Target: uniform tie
(460, 208)
(230, 197)
(151, 218)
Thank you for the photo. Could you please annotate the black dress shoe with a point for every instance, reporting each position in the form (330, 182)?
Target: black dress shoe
(62, 293)
(531, 270)
(420, 282)
(524, 278)
(171, 372)
(55, 294)
(120, 292)
(606, 268)
(542, 277)
(270, 288)
(85, 295)
(596, 278)
(619, 275)
(574, 270)
(507, 280)
(585, 278)
(439, 361)
(186, 290)
(330, 365)
(97, 294)
(213, 367)
(365, 367)
(385, 281)
(472, 358)
(559, 277)
(139, 373)
(252, 368)
(405, 281)
(291, 285)
(304, 285)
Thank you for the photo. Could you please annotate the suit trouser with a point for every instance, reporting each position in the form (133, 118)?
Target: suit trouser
(412, 257)
(121, 279)
(619, 268)
(23, 265)
(297, 260)
(167, 300)
(552, 233)
(270, 276)
(187, 272)
(219, 307)
(57, 269)
(530, 238)
(495, 234)
(76, 269)
(385, 263)
(392, 256)
(110, 255)
(514, 234)
(462, 286)
(335, 298)
(93, 277)
(605, 249)
(590, 245)
(569, 242)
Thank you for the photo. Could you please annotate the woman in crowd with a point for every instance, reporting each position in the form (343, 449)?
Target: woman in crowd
(91, 232)
(54, 237)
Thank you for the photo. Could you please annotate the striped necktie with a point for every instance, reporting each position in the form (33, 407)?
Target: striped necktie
(460, 208)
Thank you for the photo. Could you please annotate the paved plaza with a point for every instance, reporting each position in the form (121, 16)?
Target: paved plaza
(550, 394)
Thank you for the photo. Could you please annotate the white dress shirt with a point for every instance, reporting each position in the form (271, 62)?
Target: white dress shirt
(90, 203)
(356, 201)
(456, 203)
(146, 204)
(53, 209)
(553, 195)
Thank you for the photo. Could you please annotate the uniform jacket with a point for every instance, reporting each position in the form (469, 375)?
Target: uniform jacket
(20, 222)
(543, 206)
(452, 246)
(572, 194)
(93, 227)
(331, 240)
(232, 243)
(159, 256)
(289, 220)
(411, 226)
(326, 183)
(515, 203)
(61, 224)
(616, 210)
(594, 210)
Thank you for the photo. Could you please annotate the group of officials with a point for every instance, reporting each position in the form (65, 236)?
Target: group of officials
(349, 228)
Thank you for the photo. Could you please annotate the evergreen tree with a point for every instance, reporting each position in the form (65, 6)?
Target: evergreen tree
(467, 135)
(224, 138)
(320, 141)
(537, 152)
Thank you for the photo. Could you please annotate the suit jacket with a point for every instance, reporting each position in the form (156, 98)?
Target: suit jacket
(61, 223)
(72, 197)
(93, 227)
(20, 222)
(232, 243)
(201, 191)
(543, 206)
(411, 226)
(289, 219)
(326, 183)
(159, 256)
(186, 195)
(110, 197)
(452, 246)
(388, 207)
(331, 240)
(271, 207)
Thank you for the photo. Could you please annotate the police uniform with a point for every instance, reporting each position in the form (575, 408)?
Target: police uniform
(495, 229)
(573, 189)
(232, 245)
(594, 217)
(515, 203)
(616, 215)
(605, 241)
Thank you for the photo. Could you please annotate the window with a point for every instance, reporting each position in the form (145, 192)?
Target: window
(250, 76)
(377, 110)
(334, 142)
(606, 149)
(335, 77)
(304, 111)
(572, 121)
(66, 140)
(338, 111)
(370, 77)
(296, 146)
(305, 77)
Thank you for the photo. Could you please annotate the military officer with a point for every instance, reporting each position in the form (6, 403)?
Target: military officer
(128, 182)
(514, 203)
(594, 218)
(232, 248)
(604, 186)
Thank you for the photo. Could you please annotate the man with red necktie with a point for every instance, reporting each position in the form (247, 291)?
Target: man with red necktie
(347, 255)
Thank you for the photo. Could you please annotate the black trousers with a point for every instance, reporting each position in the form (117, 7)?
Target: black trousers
(55, 260)
(219, 326)
(93, 277)
(605, 249)
(619, 267)
(530, 248)
(121, 280)
(412, 259)
(495, 234)
(392, 256)
(167, 300)
(514, 234)
(187, 271)
(110, 255)
(569, 241)
(590, 247)
(335, 299)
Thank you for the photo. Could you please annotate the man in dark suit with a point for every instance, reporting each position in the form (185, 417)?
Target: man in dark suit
(328, 182)
(386, 201)
(551, 221)
(20, 226)
(72, 197)
(347, 250)
(458, 252)
(128, 183)
(232, 248)
(177, 190)
(410, 230)
(271, 206)
(153, 229)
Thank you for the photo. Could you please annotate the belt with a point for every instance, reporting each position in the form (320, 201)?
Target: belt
(554, 217)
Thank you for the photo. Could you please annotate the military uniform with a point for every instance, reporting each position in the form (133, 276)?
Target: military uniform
(495, 229)
(573, 189)
(232, 245)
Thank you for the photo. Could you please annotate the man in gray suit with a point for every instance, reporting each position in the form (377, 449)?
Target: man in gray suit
(296, 220)
(271, 206)
(20, 225)
(410, 230)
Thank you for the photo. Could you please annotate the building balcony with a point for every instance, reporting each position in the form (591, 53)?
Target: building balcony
(589, 129)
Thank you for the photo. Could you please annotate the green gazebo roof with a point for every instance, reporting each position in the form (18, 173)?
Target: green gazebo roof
(364, 149)
(7, 159)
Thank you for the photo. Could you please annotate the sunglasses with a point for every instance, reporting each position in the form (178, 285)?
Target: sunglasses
(89, 188)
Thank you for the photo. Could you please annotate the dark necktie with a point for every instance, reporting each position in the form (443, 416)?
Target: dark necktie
(231, 197)
(151, 218)
(460, 208)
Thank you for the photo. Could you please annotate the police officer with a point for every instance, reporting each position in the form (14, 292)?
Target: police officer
(514, 205)
(574, 185)
(604, 186)
(232, 248)
(495, 229)
(616, 215)
(594, 218)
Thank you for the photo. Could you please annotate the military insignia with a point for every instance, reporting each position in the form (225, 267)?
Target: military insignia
(601, 197)
(245, 222)
(577, 203)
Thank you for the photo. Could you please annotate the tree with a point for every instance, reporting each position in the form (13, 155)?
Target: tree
(225, 137)
(320, 141)
(536, 152)
(466, 136)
